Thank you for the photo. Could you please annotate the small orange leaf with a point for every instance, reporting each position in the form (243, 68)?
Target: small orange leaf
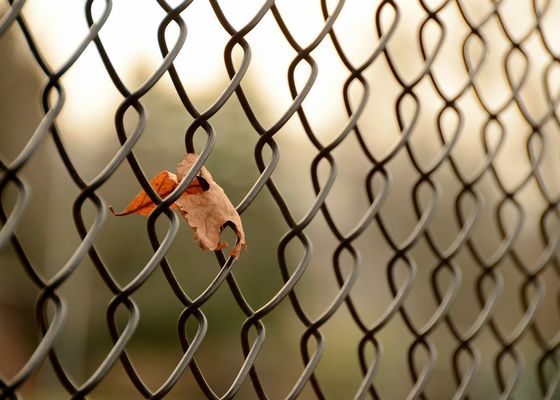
(163, 184)
(203, 204)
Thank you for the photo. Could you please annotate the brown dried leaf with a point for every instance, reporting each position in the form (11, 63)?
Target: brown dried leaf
(203, 204)
(208, 212)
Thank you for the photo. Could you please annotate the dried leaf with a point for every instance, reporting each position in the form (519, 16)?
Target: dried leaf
(163, 183)
(208, 212)
(203, 204)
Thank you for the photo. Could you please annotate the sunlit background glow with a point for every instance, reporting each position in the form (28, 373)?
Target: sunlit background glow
(87, 126)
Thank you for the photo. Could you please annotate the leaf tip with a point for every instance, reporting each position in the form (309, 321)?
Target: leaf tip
(113, 211)
(236, 251)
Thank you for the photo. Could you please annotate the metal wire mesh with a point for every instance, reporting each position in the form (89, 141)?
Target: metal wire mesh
(470, 278)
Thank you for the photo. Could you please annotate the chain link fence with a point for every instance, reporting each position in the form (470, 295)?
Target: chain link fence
(395, 165)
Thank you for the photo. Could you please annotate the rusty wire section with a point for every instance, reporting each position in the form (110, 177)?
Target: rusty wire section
(446, 273)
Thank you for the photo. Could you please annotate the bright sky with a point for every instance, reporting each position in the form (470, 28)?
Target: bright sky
(130, 36)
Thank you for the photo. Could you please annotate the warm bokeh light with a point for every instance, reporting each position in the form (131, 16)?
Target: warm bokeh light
(133, 48)
(87, 127)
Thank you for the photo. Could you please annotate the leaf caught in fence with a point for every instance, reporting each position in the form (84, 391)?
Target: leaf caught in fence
(203, 204)
(163, 183)
(208, 212)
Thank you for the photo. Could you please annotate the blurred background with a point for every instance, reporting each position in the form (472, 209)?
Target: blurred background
(518, 83)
